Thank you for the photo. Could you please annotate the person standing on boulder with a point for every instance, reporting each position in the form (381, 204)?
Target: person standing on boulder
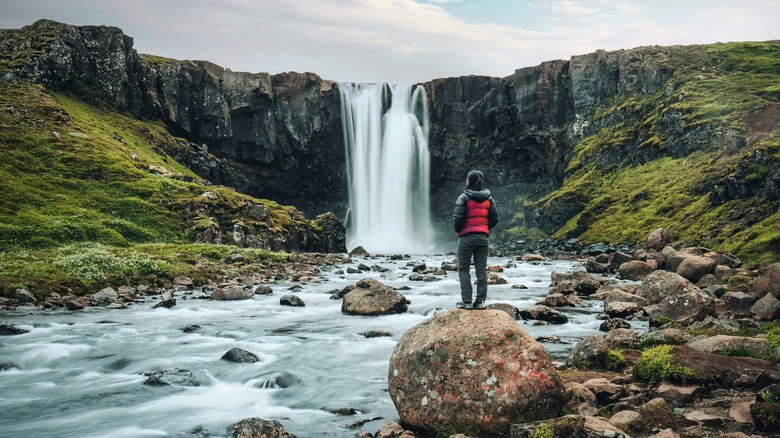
(475, 214)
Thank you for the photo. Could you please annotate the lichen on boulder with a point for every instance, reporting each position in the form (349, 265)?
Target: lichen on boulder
(472, 370)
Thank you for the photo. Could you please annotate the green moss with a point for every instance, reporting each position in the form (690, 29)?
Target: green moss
(615, 360)
(772, 333)
(657, 364)
(543, 431)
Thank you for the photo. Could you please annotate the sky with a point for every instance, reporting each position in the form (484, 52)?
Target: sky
(403, 41)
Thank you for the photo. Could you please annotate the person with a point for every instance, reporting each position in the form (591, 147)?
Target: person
(474, 216)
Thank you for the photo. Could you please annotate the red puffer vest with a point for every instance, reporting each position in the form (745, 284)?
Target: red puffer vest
(477, 213)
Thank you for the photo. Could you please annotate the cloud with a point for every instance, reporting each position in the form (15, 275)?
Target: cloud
(573, 8)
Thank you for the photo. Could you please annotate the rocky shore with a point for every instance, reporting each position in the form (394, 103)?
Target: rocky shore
(708, 366)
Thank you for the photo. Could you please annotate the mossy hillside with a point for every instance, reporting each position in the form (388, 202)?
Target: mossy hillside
(632, 175)
(72, 174)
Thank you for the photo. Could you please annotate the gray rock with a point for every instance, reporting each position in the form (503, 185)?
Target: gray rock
(104, 297)
(231, 294)
(240, 355)
(543, 313)
(25, 298)
(370, 297)
(291, 300)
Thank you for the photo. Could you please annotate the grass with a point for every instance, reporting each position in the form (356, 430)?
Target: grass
(634, 174)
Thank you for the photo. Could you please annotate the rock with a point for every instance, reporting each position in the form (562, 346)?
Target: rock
(658, 239)
(240, 356)
(232, 293)
(620, 309)
(707, 281)
(359, 251)
(9, 330)
(738, 303)
(703, 419)
(104, 297)
(579, 282)
(519, 286)
(77, 303)
(476, 368)
(666, 433)
(496, 279)
(684, 308)
(263, 290)
(376, 334)
(510, 310)
(176, 377)
(671, 336)
(606, 391)
(661, 284)
(623, 337)
(594, 267)
(615, 323)
(726, 371)
(718, 325)
(182, 281)
(258, 428)
(391, 429)
(728, 345)
(581, 399)
(495, 269)
(677, 395)
(25, 298)
(574, 426)
(768, 282)
(170, 302)
(191, 328)
(561, 300)
(766, 308)
(740, 412)
(694, 268)
(370, 297)
(532, 258)
(291, 300)
(544, 313)
(626, 420)
(635, 270)
(590, 352)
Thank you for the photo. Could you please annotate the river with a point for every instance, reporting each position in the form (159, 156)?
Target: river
(80, 374)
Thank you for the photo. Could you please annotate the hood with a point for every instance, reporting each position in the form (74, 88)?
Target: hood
(478, 195)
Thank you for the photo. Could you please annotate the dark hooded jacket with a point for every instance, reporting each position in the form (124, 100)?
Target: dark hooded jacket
(475, 212)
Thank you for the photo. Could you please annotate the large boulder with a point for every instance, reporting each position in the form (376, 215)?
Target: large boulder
(232, 293)
(694, 267)
(578, 282)
(767, 308)
(635, 270)
(768, 282)
(660, 284)
(543, 313)
(475, 370)
(729, 345)
(657, 239)
(682, 309)
(590, 352)
(370, 297)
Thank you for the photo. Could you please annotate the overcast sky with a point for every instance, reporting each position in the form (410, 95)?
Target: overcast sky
(403, 41)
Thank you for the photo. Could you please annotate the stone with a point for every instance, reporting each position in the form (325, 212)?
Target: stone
(635, 270)
(177, 377)
(685, 308)
(614, 323)
(489, 375)
(623, 337)
(693, 268)
(258, 428)
(104, 297)
(376, 334)
(495, 279)
(359, 251)
(561, 300)
(10, 330)
(657, 239)
(590, 351)
(666, 433)
(740, 412)
(263, 290)
(581, 399)
(671, 336)
(661, 284)
(291, 300)
(766, 308)
(677, 395)
(25, 298)
(703, 419)
(182, 281)
(370, 297)
(571, 426)
(723, 344)
(510, 310)
(606, 391)
(532, 258)
(232, 293)
(620, 309)
(579, 282)
(626, 420)
(240, 356)
(391, 429)
(166, 303)
(543, 313)
(768, 282)
(738, 303)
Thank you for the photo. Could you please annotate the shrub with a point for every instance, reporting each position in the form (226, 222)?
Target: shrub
(614, 360)
(657, 364)
(543, 431)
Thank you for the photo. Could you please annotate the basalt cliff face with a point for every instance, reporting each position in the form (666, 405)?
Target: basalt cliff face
(560, 124)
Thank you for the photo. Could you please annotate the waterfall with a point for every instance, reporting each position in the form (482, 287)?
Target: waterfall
(388, 167)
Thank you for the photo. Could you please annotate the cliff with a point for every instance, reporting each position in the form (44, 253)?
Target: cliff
(601, 147)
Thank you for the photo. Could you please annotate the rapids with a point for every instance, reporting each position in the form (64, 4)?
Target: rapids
(81, 374)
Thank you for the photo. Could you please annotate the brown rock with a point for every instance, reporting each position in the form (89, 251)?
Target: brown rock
(626, 420)
(684, 308)
(693, 268)
(740, 412)
(677, 395)
(532, 258)
(544, 313)
(579, 282)
(510, 310)
(476, 368)
(232, 294)
(579, 426)
(768, 282)
(620, 309)
(581, 399)
(590, 351)
(623, 337)
(657, 239)
(25, 298)
(606, 391)
(370, 297)
(496, 279)
(635, 270)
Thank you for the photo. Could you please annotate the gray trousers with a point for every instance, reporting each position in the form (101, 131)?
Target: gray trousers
(473, 245)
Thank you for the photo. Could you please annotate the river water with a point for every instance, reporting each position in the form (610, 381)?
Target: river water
(81, 374)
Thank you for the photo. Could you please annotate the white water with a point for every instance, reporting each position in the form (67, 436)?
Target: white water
(388, 167)
(79, 374)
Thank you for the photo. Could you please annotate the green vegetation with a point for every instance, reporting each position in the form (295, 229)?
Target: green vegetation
(657, 364)
(655, 158)
(615, 360)
(543, 431)
(92, 197)
(771, 331)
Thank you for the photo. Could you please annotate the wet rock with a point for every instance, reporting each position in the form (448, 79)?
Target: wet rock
(291, 300)
(519, 286)
(364, 267)
(359, 251)
(543, 313)
(104, 297)
(370, 297)
(487, 375)
(25, 298)
(580, 283)
(376, 334)
(263, 290)
(8, 303)
(191, 328)
(594, 267)
(177, 377)
(168, 303)
(10, 330)
(233, 293)
(532, 258)
(424, 277)
(494, 279)
(351, 270)
(240, 356)
(258, 428)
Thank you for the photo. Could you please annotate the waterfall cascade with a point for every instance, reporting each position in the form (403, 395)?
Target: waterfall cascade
(386, 141)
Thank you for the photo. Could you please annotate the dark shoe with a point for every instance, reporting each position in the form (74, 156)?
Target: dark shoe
(462, 305)
(479, 305)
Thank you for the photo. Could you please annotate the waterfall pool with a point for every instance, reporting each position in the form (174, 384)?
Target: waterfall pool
(81, 374)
